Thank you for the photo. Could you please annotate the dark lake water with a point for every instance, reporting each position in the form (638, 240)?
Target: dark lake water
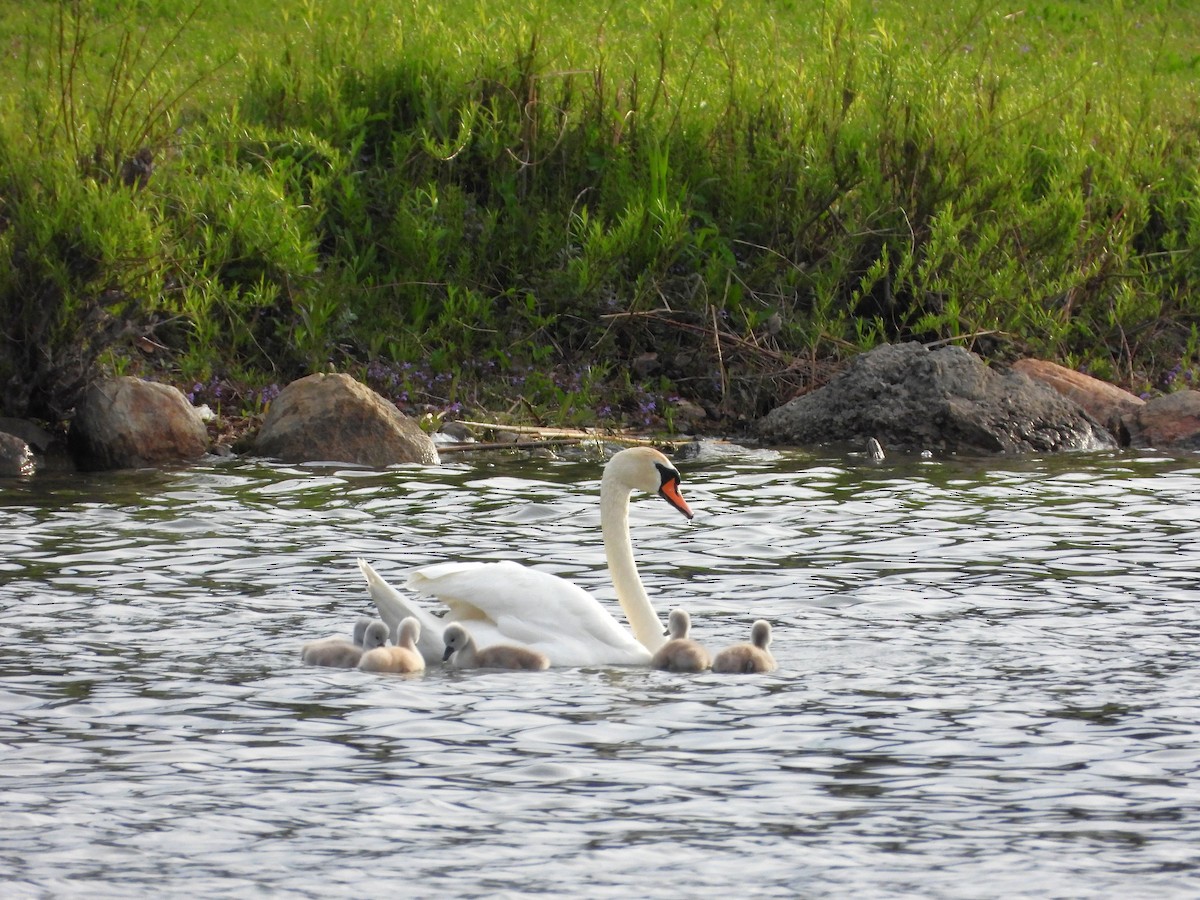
(989, 686)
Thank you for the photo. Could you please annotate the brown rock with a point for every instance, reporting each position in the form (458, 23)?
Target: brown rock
(1104, 402)
(333, 418)
(1172, 420)
(125, 423)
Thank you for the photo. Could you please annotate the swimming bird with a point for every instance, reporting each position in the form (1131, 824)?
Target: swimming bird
(680, 653)
(748, 658)
(462, 653)
(343, 654)
(507, 603)
(404, 658)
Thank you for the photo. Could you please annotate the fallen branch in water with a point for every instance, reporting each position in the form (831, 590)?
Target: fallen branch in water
(561, 435)
(514, 445)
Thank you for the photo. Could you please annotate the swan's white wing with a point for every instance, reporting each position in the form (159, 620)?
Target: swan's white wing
(507, 603)
(394, 607)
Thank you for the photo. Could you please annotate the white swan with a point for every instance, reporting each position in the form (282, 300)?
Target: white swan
(507, 603)
(747, 659)
(680, 653)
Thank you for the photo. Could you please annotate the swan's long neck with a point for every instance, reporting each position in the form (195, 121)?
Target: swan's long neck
(614, 523)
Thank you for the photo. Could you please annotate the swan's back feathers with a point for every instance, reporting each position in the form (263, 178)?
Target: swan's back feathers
(508, 603)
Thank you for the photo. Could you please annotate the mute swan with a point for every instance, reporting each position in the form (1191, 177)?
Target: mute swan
(462, 653)
(680, 653)
(403, 658)
(507, 603)
(342, 654)
(748, 658)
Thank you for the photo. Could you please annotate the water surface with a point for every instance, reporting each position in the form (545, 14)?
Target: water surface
(988, 686)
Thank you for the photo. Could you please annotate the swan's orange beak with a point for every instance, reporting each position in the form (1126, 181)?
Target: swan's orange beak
(670, 492)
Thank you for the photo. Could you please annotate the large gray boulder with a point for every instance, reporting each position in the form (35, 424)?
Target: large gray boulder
(127, 423)
(946, 400)
(333, 418)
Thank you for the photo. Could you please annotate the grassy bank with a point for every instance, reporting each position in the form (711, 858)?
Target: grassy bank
(587, 214)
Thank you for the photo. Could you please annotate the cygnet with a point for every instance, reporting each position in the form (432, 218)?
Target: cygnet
(341, 653)
(404, 658)
(748, 658)
(462, 653)
(680, 653)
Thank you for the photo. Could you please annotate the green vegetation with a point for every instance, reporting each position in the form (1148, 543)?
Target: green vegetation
(514, 207)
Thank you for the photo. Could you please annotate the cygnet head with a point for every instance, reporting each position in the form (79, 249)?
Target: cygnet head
(375, 634)
(410, 633)
(456, 638)
(760, 634)
(646, 469)
(360, 629)
(679, 624)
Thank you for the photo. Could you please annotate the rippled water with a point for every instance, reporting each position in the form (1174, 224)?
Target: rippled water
(989, 686)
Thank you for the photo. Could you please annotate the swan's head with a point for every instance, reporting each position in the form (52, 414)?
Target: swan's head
(646, 469)
(679, 623)
(760, 634)
(360, 629)
(375, 634)
(456, 638)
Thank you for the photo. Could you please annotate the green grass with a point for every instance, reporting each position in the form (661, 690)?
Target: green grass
(525, 200)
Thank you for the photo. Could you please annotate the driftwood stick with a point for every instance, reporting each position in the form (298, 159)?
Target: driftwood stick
(580, 433)
(516, 445)
(545, 437)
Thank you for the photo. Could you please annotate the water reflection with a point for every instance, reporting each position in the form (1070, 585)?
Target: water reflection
(987, 686)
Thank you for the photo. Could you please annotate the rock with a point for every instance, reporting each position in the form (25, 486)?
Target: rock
(645, 365)
(458, 433)
(37, 437)
(1104, 402)
(16, 457)
(49, 451)
(1172, 420)
(333, 418)
(688, 414)
(912, 399)
(125, 423)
